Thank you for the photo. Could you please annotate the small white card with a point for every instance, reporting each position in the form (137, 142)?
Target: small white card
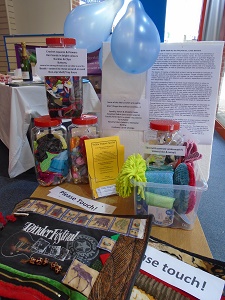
(196, 282)
(85, 203)
(107, 190)
(165, 150)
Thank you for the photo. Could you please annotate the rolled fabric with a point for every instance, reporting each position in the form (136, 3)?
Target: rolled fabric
(159, 200)
(185, 200)
(181, 175)
(161, 177)
(181, 201)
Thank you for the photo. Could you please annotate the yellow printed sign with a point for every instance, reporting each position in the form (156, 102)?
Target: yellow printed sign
(105, 157)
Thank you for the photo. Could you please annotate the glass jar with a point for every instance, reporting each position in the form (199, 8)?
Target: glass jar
(163, 144)
(49, 140)
(165, 132)
(64, 93)
(81, 129)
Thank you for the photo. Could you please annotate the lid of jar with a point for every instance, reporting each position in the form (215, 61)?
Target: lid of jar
(85, 120)
(165, 125)
(46, 121)
(60, 41)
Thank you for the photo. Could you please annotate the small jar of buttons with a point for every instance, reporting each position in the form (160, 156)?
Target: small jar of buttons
(163, 143)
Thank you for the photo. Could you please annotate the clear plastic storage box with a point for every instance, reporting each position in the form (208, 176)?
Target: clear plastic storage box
(173, 206)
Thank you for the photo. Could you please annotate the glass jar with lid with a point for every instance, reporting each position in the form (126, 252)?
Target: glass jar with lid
(163, 143)
(164, 132)
(81, 129)
(49, 141)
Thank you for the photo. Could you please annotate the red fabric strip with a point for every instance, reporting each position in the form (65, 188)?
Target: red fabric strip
(12, 291)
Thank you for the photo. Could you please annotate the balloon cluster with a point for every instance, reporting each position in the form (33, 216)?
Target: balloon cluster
(135, 41)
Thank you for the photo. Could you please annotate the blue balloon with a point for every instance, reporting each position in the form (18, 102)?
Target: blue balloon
(135, 43)
(90, 24)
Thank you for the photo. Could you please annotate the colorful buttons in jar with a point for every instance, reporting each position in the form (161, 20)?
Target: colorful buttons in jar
(49, 140)
(163, 144)
(81, 129)
(166, 132)
(64, 95)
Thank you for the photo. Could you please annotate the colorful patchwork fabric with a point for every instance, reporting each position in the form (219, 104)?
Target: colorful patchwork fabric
(57, 250)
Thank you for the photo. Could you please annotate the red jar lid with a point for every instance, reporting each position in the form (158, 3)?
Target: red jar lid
(164, 125)
(85, 120)
(60, 41)
(46, 121)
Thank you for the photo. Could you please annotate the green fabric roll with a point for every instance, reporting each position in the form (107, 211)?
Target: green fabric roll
(159, 200)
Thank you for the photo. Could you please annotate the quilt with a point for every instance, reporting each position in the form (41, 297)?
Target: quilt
(148, 287)
(52, 251)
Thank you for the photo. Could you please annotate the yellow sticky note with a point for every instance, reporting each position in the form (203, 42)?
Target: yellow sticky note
(105, 158)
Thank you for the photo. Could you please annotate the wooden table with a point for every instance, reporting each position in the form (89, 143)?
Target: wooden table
(191, 240)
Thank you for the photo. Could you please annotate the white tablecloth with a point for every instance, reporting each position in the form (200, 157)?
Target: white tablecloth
(18, 106)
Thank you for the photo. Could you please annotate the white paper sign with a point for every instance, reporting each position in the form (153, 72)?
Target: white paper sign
(124, 104)
(196, 282)
(85, 203)
(183, 85)
(61, 62)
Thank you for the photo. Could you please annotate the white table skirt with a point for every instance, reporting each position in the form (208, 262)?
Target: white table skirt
(18, 106)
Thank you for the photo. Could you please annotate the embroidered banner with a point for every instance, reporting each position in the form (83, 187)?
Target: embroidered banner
(71, 253)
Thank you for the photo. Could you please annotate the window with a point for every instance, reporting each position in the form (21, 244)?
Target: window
(182, 20)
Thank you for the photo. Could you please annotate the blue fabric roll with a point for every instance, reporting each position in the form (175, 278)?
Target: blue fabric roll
(181, 175)
(162, 177)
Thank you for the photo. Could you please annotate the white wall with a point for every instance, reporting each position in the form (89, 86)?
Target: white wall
(40, 16)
